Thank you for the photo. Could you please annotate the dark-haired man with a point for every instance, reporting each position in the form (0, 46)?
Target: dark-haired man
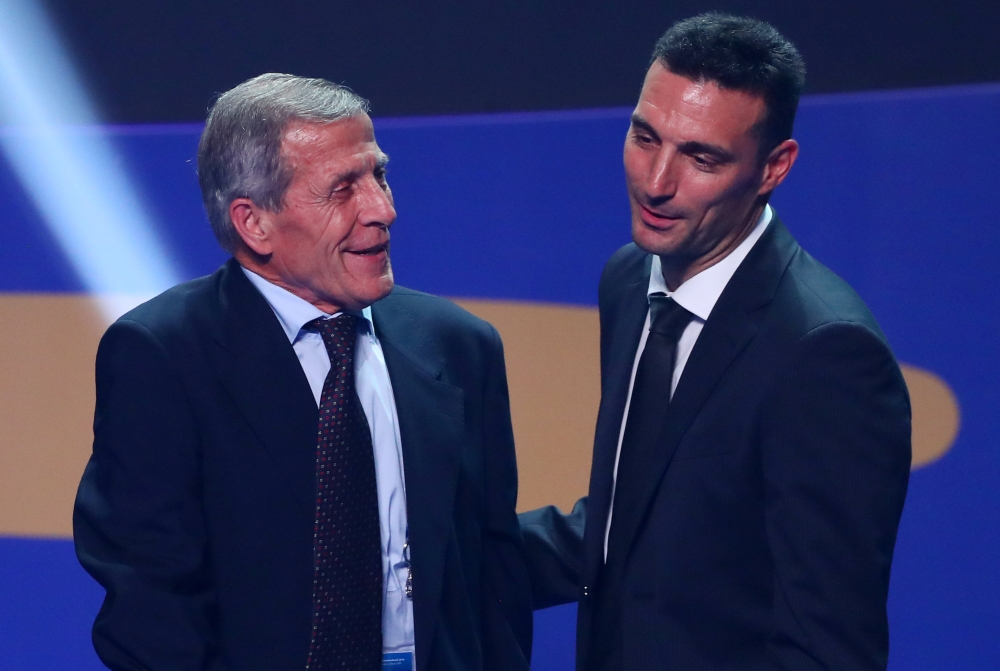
(296, 464)
(752, 449)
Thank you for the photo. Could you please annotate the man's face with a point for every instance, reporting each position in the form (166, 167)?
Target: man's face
(692, 170)
(330, 242)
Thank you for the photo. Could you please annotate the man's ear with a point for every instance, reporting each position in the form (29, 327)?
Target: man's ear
(779, 163)
(251, 224)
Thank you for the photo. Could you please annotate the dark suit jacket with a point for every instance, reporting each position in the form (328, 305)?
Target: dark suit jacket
(196, 510)
(772, 508)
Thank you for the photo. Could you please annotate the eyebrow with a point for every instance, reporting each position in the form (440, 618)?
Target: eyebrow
(715, 151)
(641, 123)
(380, 162)
(690, 147)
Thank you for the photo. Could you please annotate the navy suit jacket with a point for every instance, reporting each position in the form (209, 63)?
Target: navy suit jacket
(772, 507)
(196, 509)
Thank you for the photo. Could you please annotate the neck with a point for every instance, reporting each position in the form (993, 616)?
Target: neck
(678, 269)
(253, 263)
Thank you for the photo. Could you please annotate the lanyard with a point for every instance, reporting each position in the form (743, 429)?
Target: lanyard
(408, 588)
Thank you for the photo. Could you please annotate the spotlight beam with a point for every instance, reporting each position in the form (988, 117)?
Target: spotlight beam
(68, 166)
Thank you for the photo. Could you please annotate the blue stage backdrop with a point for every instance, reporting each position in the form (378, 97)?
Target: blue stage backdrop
(897, 192)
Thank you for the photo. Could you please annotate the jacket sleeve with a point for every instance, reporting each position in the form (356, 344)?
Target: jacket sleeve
(553, 544)
(138, 524)
(836, 457)
(507, 619)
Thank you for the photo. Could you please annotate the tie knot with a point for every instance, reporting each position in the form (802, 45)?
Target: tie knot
(666, 317)
(339, 334)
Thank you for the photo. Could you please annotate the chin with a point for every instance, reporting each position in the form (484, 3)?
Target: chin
(649, 241)
(379, 288)
(387, 284)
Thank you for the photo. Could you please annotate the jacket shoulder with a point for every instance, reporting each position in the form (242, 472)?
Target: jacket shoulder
(173, 306)
(821, 297)
(431, 326)
(181, 315)
(437, 336)
(431, 311)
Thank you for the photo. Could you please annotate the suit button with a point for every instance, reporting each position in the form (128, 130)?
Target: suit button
(586, 591)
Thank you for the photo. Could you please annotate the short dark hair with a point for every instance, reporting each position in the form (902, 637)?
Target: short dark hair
(239, 155)
(742, 54)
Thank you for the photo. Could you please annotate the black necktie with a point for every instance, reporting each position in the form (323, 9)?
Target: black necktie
(647, 409)
(347, 583)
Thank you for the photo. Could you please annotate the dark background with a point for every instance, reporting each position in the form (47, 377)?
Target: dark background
(163, 61)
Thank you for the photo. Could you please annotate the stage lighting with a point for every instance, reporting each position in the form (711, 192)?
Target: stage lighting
(66, 163)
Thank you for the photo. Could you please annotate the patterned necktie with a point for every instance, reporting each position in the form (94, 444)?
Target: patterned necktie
(647, 408)
(347, 583)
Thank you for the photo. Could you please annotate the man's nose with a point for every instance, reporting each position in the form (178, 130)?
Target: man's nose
(661, 181)
(376, 206)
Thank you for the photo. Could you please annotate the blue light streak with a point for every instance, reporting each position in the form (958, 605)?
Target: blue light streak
(70, 169)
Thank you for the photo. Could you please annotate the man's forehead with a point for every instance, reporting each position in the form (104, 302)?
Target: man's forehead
(351, 140)
(352, 130)
(660, 78)
(667, 95)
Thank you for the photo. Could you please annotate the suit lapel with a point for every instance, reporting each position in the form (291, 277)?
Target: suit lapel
(729, 329)
(259, 369)
(431, 428)
(621, 357)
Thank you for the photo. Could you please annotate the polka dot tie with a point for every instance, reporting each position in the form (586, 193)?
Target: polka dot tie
(347, 583)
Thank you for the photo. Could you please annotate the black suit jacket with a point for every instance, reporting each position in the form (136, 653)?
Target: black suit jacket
(772, 508)
(196, 510)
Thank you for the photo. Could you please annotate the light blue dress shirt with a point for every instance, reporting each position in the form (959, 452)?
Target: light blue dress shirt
(375, 392)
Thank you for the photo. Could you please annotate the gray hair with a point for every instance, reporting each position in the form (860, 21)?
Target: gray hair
(239, 155)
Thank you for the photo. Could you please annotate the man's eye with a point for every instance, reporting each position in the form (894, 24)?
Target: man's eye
(339, 190)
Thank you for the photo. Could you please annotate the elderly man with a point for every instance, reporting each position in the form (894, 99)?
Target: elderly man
(296, 464)
(752, 449)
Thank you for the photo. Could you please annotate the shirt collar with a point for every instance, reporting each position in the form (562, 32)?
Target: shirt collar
(699, 294)
(293, 312)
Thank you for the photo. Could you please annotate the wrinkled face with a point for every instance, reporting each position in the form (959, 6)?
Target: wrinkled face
(692, 169)
(330, 242)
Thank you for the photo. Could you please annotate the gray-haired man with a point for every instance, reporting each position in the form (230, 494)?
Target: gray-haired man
(297, 464)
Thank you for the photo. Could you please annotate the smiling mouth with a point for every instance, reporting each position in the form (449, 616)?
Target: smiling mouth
(374, 250)
(651, 217)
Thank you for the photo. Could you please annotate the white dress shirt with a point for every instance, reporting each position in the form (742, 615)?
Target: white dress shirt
(698, 295)
(375, 392)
